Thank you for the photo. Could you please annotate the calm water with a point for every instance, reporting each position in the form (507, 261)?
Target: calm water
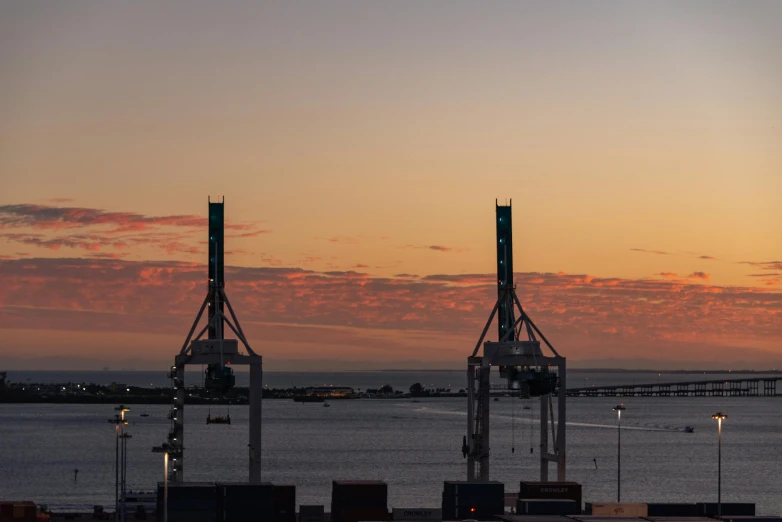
(412, 446)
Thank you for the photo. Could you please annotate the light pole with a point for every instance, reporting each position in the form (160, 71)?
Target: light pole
(619, 409)
(119, 488)
(165, 487)
(164, 449)
(116, 421)
(720, 417)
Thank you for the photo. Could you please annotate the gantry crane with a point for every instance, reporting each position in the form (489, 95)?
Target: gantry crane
(528, 371)
(218, 354)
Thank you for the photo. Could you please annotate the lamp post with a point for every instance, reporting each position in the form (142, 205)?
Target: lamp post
(165, 487)
(124, 488)
(119, 487)
(116, 421)
(719, 416)
(164, 450)
(619, 409)
(119, 433)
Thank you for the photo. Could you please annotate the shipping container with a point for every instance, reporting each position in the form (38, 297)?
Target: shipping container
(374, 490)
(18, 511)
(551, 490)
(284, 503)
(245, 502)
(729, 509)
(616, 509)
(478, 500)
(189, 501)
(311, 514)
(672, 510)
(191, 516)
(551, 506)
(348, 495)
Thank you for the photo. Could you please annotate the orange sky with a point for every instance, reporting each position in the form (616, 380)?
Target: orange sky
(640, 145)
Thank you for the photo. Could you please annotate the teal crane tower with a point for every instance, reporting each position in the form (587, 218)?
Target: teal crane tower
(505, 312)
(219, 378)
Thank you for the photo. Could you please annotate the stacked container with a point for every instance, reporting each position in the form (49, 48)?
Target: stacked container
(729, 509)
(18, 512)
(477, 500)
(617, 509)
(311, 514)
(671, 510)
(551, 491)
(284, 503)
(551, 506)
(189, 501)
(359, 500)
(245, 502)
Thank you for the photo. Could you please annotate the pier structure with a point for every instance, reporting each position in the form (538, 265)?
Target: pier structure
(746, 387)
(217, 354)
(521, 360)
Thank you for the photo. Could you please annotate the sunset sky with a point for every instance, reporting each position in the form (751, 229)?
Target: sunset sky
(360, 147)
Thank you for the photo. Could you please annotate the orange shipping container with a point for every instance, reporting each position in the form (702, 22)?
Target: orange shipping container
(17, 512)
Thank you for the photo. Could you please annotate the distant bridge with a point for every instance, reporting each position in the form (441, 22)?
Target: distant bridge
(750, 387)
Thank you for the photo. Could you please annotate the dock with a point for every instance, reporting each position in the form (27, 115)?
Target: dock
(745, 387)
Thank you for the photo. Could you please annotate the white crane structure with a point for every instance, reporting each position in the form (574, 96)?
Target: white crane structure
(218, 355)
(528, 370)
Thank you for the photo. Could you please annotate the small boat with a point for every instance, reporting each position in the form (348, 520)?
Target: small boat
(527, 408)
(496, 399)
(218, 419)
(145, 414)
(326, 405)
(688, 429)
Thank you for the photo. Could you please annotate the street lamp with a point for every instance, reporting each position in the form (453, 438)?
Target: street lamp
(116, 420)
(165, 487)
(164, 449)
(720, 417)
(619, 409)
(122, 454)
(119, 433)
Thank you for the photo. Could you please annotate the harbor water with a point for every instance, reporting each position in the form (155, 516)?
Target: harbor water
(414, 445)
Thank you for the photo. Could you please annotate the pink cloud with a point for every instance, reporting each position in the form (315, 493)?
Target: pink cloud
(579, 311)
(126, 229)
(764, 265)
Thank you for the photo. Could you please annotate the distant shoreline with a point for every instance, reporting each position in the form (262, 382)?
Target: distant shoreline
(442, 370)
(592, 370)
